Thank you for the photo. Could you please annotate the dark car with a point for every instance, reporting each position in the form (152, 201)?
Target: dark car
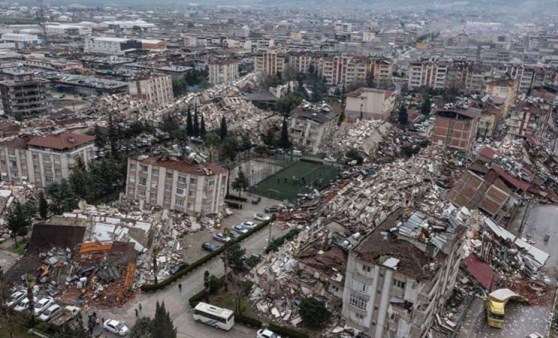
(272, 209)
(208, 246)
(178, 267)
(256, 200)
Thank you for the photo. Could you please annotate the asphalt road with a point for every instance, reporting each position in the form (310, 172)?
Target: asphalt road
(7, 259)
(177, 302)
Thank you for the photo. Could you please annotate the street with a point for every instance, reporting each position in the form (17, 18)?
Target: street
(177, 302)
(7, 259)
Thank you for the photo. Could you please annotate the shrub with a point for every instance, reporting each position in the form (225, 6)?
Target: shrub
(215, 284)
(313, 312)
(278, 242)
(236, 198)
(234, 205)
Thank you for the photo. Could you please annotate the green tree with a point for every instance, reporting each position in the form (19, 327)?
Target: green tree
(223, 132)
(236, 258)
(287, 103)
(113, 136)
(203, 132)
(79, 179)
(196, 124)
(268, 136)
(229, 148)
(179, 87)
(337, 92)
(100, 138)
(189, 124)
(316, 91)
(43, 206)
(426, 106)
(163, 326)
(18, 221)
(62, 197)
(143, 328)
(284, 141)
(241, 182)
(170, 125)
(313, 312)
(403, 116)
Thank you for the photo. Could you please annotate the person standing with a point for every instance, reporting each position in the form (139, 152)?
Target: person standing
(179, 287)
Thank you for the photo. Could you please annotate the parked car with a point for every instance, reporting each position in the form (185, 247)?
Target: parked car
(535, 335)
(24, 304)
(265, 333)
(221, 237)
(42, 305)
(262, 217)
(248, 225)
(177, 267)
(240, 228)
(116, 327)
(256, 200)
(16, 297)
(208, 246)
(50, 312)
(273, 208)
(235, 234)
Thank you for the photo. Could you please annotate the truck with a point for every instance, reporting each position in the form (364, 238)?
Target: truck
(69, 313)
(495, 306)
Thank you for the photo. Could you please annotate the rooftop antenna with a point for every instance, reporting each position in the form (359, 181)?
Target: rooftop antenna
(42, 21)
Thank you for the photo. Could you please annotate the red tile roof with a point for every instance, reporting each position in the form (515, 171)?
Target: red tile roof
(63, 141)
(519, 184)
(488, 152)
(481, 271)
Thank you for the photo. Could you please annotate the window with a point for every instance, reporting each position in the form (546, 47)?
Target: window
(359, 316)
(143, 181)
(180, 202)
(359, 286)
(169, 175)
(357, 301)
(190, 193)
(210, 182)
(366, 268)
(180, 191)
(182, 179)
(143, 168)
(192, 181)
(398, 284)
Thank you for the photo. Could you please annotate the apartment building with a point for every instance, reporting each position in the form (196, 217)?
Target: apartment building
(310, 128)
(300, 62)
(399, 277)
(24, 96)
(374, 104)
(221, 71)
(270, 63)
(528, 118)
(154, 89)
(44, 159)
(456, 129)
(343, 27)
(428, 73)
(119, 46)
(502, 89)
(177, 184)
(265, 44)
(345, 70)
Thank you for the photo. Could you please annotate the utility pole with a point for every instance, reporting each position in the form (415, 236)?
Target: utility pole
(42, 21)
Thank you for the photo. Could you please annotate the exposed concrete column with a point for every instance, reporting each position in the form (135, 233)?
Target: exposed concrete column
(384, 302)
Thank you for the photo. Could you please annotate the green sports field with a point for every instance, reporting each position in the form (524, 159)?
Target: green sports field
(297, 178)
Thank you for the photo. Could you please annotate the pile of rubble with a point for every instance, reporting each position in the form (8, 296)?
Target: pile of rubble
(363, 135)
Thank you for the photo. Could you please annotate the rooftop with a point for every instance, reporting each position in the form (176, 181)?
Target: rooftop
(62, 141)
(184, 166)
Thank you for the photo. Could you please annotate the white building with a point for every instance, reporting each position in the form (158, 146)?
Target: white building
(375, 104)
(110, 45)
(176, 184)
(21, 40)
(221, 71)
(270, 63)
(311, 128)
(44, 159)
(68, 30)
(400, 276)
(156, 89)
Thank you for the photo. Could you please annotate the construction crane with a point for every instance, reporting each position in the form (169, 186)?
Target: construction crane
(42, 21)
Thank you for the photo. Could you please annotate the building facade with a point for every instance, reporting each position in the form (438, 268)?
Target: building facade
(270, 63)
(176, 184)
(528, 119)
(44, 159)
(375, 104)
(221, 71)
(155, 89)
(310, 129)
(395, 282)
(24, 96)
(456, 129)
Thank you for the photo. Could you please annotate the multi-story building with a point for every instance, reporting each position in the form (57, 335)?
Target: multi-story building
(24, 95)
(265, 44)
(343, 27)
(270, 63)
(528, 118)
(68, 30)
(21, 40)
(504, 89)
(221, 71)
(44, 159)
(155, 89)
(177, 184)
(344, 70)
(300, 62)
(119, 46)
(310, 128)
(399, 277)
(456, 129)
(374, 104)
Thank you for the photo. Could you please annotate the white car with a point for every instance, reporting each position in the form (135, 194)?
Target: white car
(116, 327)
(24, 304)
(265, 333)
(240, 228)
(262, 217)
(42, 305)
(248, 225)
(16, 297)
(50, 312)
